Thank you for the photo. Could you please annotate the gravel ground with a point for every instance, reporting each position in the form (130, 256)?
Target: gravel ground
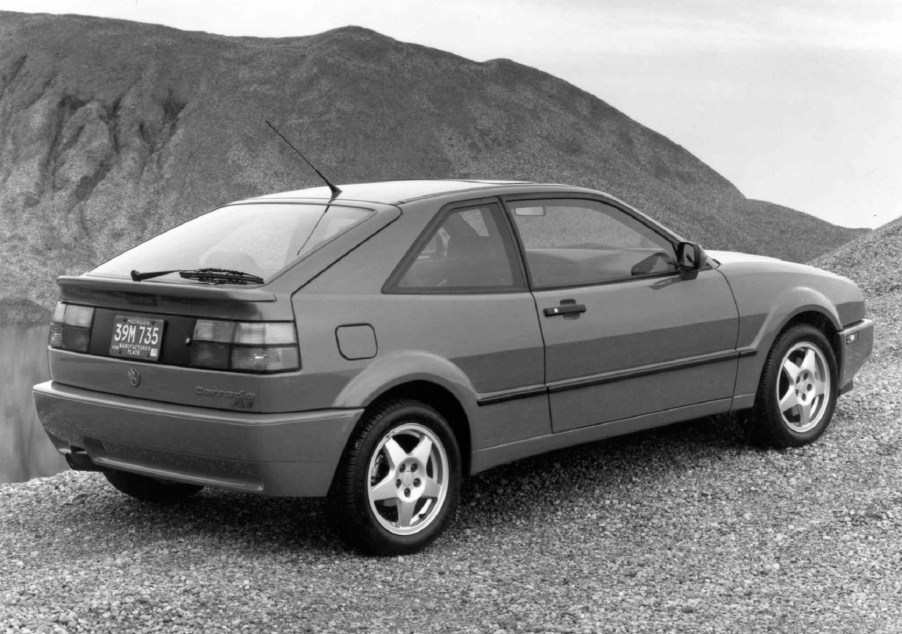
(683, 529)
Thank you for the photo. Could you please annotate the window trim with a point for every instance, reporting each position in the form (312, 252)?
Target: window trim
(635, 215)
(511, 251)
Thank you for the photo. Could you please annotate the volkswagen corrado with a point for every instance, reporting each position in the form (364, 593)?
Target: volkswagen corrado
(376, 344)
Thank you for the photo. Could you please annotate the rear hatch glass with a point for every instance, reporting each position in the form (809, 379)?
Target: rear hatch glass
(259, 238)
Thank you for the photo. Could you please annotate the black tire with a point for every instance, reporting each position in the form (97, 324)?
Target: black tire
(406, 452)
(797, 393)
(150, 489)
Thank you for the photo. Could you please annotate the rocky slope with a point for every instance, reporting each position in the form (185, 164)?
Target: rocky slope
(111, 131)
(873, 260)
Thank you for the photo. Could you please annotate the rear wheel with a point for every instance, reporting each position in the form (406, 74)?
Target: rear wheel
(398, 484)
(798, 387)
(150, 489)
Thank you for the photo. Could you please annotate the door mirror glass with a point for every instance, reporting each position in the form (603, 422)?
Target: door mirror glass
(690, 256)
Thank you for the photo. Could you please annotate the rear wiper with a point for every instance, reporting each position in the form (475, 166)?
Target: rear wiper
(214, 275)
(221, 276)
(140, 277)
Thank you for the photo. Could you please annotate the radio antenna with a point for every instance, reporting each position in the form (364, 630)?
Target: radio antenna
(335, 190)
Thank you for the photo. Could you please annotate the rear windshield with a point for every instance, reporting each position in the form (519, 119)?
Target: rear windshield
(257, 238)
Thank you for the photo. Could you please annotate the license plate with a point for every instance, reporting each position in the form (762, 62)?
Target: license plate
(137, 338)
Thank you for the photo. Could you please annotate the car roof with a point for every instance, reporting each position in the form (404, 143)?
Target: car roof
(399, 191)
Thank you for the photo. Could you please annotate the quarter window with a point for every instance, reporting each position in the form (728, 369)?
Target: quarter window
(466, 252)
(581, 242)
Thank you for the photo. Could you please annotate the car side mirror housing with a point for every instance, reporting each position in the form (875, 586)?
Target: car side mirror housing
(690, 259)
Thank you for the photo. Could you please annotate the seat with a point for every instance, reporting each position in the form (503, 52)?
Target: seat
(477, 262)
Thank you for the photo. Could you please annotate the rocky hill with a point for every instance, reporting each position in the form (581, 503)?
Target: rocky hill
(874, 261)
(111, 131)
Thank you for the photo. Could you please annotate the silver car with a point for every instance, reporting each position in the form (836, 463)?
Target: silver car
(376, 345)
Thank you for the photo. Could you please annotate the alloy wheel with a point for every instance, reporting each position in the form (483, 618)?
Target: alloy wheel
(803, 387)
(408, 479)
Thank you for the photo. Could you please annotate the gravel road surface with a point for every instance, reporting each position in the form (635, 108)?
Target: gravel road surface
(683, 529)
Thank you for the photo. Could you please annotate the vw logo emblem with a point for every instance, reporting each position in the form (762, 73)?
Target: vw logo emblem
(134, 377)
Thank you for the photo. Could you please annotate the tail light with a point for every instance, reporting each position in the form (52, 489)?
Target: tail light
(245, 346)
(70, 327)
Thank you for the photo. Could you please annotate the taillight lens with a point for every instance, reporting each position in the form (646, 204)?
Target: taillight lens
(265, 333)
(245, 346)
(70, 327)
(265, 359)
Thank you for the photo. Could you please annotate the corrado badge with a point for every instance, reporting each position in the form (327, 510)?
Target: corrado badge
(241, 399)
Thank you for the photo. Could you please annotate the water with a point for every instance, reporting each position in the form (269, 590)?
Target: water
(25, 450)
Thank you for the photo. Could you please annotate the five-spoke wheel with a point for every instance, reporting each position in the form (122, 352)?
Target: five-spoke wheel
(804, 387)
(408, 479)
(398, 483)
(797, 393)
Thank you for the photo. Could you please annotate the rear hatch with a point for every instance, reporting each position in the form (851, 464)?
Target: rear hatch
(201, 315)
(149, 345)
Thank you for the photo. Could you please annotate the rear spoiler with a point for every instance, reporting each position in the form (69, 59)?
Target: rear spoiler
(222, 301)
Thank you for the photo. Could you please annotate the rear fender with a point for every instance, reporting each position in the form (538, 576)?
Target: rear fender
(397, 368)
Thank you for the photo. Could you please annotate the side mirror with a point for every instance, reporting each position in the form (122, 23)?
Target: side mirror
(690, 258)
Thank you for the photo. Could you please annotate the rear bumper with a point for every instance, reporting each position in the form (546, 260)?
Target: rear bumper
(269, 454)
(856, 343)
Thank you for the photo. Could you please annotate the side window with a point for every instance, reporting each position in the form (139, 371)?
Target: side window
(580, 242)
(466, 252)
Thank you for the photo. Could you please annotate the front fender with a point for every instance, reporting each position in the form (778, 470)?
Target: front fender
(769, 296)
(758, 331)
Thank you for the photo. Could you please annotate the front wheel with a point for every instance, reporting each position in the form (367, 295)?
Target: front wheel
(398, 484)
(797, 393)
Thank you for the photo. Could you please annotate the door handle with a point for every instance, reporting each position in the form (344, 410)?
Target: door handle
(567, 308)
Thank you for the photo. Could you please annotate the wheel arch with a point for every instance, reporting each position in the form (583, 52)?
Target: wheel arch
(815, 315)
(440, 399)
(817, 311)
(823, 322)
(422, 377)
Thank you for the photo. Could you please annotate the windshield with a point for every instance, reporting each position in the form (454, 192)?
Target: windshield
(256, 238)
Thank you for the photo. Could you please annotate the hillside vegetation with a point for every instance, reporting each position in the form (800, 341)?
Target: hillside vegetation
(111, 131)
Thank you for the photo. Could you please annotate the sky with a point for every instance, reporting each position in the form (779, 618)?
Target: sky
(797, 102)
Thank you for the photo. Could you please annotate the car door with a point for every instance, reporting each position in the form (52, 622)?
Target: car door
(460, 294)
(625, 334)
